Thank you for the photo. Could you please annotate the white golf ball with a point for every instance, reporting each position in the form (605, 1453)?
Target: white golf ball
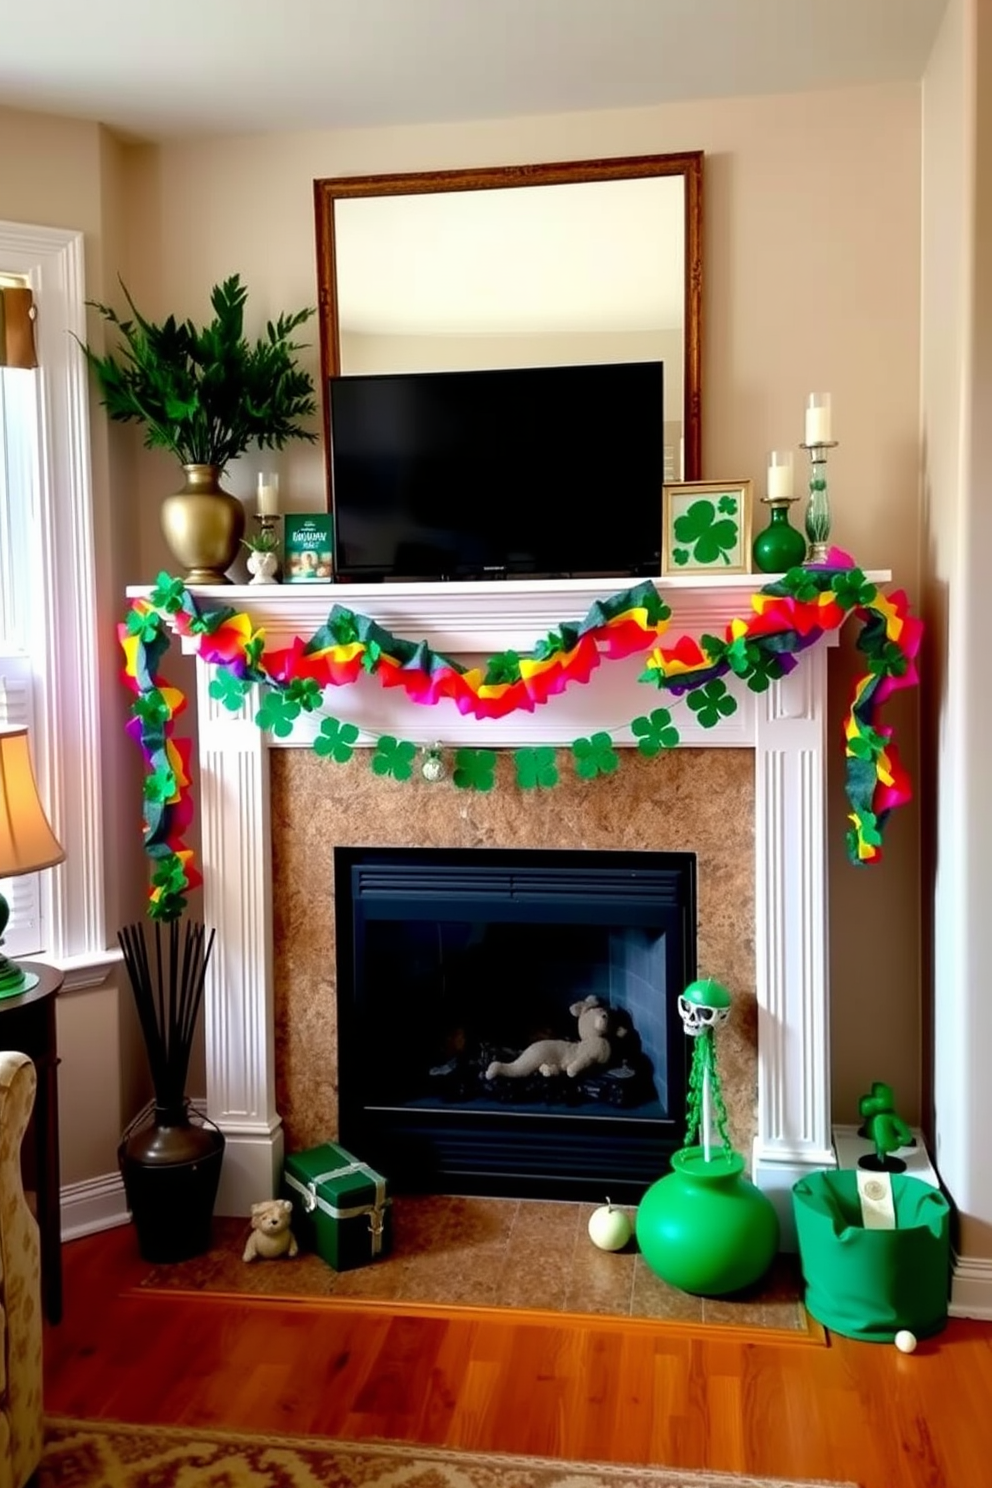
(905, 1341)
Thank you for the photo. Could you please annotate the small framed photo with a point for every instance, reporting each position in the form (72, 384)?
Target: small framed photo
(706, 527)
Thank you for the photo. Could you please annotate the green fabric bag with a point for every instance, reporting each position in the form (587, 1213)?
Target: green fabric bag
(871, 1283)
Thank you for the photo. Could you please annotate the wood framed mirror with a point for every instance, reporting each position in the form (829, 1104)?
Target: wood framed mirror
(579, 261)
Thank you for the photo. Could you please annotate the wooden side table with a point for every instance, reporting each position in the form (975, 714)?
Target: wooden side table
(27, 1023)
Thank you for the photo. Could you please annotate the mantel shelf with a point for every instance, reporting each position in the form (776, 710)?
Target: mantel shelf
(480, 617)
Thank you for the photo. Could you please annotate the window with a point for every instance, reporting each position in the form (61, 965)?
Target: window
(48, 654)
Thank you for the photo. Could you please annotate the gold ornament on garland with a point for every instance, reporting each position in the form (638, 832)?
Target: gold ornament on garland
(432, 768)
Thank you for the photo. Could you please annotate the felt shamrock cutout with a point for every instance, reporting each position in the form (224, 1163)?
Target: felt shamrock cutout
(168, 594)
(888, 661)
(727, 506)
(145, 624)
(228, 688)
(152, 709)
(394, 757)
(504, 667)
(852, 589)
(475, 769)
(304, 691)
(565, 638)
(335, 740)
(866, 744)
(536, 768)
(213, 620)
(343, 627)
(594, 756)
(655, 732)
(166, 906)
(711, 702)
(751, 661)
(277, 713)
(765, 669)
(160, 784)
(170, 877)
(866, 825)
(802, 584)
(706, 536)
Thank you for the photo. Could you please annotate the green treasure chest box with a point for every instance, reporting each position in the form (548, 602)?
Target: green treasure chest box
(340, 1206)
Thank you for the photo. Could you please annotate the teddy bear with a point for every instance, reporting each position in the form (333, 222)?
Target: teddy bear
(562, 1057)
(271, 1235)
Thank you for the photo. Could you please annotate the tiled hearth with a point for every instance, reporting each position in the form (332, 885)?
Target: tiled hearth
(750, 794)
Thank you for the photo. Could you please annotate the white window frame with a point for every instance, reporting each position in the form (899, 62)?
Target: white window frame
(65, 739)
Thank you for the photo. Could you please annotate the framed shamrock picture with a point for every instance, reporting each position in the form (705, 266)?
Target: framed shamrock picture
(706, 527)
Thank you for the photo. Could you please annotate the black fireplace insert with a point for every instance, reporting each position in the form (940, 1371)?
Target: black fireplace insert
(452, 963)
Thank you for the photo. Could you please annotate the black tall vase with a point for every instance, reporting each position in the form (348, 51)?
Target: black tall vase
(171, 1168)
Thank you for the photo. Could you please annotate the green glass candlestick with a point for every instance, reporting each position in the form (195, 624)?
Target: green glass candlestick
(779, 547)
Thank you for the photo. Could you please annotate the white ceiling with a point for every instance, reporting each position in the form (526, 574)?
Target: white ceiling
(189, 67)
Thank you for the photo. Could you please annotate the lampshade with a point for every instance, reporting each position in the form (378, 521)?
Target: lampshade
(27, 842)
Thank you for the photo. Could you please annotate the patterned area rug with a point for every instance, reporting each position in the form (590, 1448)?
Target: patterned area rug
(95, 1454)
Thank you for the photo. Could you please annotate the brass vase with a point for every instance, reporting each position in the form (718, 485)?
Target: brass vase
(203, 526)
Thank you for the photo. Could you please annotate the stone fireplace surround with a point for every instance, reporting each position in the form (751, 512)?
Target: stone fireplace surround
(786, 1111)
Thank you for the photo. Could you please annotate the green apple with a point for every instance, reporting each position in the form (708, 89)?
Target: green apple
(609, 1228)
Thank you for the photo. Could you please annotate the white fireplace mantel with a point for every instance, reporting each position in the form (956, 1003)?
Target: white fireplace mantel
(785, 726)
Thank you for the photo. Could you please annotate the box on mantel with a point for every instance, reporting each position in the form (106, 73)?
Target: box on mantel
(340, 1206)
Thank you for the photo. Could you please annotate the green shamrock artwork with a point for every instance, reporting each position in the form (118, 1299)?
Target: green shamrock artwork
(707, 533)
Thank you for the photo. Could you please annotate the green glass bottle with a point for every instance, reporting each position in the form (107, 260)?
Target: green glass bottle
(779, 547)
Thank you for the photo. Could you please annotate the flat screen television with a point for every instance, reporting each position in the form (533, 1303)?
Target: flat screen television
(544, 471)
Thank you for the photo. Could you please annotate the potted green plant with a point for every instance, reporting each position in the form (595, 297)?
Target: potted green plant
(263, 549)
(206, 394)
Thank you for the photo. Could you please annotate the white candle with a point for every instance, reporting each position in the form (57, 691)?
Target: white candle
(780, 476)
(268, 495)
(818, 419)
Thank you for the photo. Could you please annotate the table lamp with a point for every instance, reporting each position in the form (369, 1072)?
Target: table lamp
(27, 842)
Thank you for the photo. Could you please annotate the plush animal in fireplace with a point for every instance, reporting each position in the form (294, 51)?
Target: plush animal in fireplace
(271, 1236)
(597, 1027)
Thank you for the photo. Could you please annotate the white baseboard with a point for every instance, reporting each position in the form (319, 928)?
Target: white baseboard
(971, 1287)
(93, 1205)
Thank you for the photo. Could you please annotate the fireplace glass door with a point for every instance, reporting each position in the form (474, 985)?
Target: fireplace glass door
(452, 963)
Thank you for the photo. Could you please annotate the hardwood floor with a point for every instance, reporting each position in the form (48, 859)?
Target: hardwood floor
(620, 1391)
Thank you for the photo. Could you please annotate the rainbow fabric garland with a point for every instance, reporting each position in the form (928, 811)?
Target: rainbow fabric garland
(788, 616)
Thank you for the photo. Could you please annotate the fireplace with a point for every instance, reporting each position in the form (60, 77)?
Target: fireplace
(452, 962)
(268, 1082)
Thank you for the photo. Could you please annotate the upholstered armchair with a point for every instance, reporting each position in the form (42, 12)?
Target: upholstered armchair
(20, 1286)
